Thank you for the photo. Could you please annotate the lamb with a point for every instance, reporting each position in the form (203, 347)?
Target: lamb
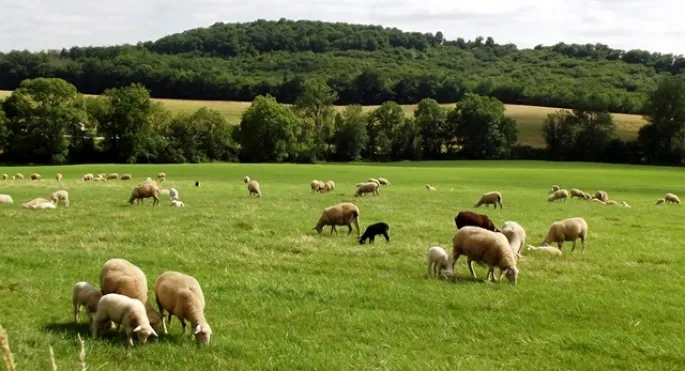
(38, 203)
(197, 183)
(173, 194)
(611, 203)
(58, 177)
(85, 295)
(544, 249)
(125, 311)
(383, 181)
(490, 198)
(374, 180)
(516, 236)
(365, 188)
(587, 196)
(112, 176)
(344, 213)
(470, 218)
(373, 230)
(672, 198)
(253, 188)
(35, 176)
(430, 187)
(329, 186)
(161, 177)
(598, 201)
(145, 190)
(44, 205)
(246, 179)
(660, 201)
(481, 245)
(87, 177)
(553, 189)
(575, 192)
(177, 203)
(316, 186)
(19, 176)
(6, 199)
(163, 192)
(439, 263)
(4, 176)
(60, 195)
(126, 177)
(119, 276)
(569, 229)
(624, 204)
(181, 295)
(101, 178)
(561, 194)
(602, 196)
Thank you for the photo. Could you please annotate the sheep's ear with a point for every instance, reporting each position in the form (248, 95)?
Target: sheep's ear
(154, 332)
(197, 330)
(137, 329)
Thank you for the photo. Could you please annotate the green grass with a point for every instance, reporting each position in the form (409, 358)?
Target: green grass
(528, 118)
(279, 296)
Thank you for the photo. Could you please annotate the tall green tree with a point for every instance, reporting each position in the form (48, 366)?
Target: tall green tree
(203, 136)
(381, 124)
(3, 130)
(559, 132)
(41, 115)
(268, 132)
(594, 132)
(431, 122)
(315, 106)
(350, 138)
(663, 138)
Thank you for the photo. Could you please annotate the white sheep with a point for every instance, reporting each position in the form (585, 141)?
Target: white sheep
(569, 229)
(173, 194)
(660, 201)
(602, 196)
(383, 181)
(60, 195)
(85, 295)
(177, 203)
(6, 199)
(611, 203)
(430, 187)
(374, 180)
(126, 311)
(4, 176)
(439, 263)
(544, 249)
(575, 192)
(671, 198)
(370, 187)
(253, 188)
(164, 192)
(181, 295)
(488, 198)
(560, 194)
(598, 201)
(246, 179)
(39, 203)
(553, 189)
(316, 186)
(329, 186)
(482, 245)
(624, 204)
(516, 236)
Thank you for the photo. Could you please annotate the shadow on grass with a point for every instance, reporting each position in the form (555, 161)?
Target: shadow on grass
(110, 336)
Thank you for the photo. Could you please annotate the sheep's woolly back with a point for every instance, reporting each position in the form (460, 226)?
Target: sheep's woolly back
(482, 245)
(85, 294)
(340, 214)
(489, 198)
(6, 199)
(370, 187)
(35, 203)
(253, 187)
(566, 230)
(181, 295)
(602, 196)
(144, 190)
(383, 181)
(119, 276)
(670, 197)
(515, 234)
(550, 250)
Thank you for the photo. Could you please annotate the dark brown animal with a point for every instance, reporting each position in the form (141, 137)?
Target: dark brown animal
(469, 218)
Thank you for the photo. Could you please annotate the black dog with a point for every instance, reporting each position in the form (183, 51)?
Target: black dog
(197, 183)
(373, 230)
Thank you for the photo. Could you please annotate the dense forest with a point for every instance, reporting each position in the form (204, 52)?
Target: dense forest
(361, 64)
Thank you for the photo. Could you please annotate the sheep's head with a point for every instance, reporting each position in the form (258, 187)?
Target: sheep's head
(511, 273)
(144, 332)
(155, 319)
(318, 229)
(448, 274)
(202, 333)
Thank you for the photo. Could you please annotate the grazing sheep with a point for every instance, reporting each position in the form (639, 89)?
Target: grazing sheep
(602, 196)
(87, 177)
(660, 201)
(329, 186)
(163, 192)
(383, 181)
(365, 188)
(611, 203)
(100, 178)
(439, 263)
(112, 176)
(575, 192)
(44, 205)
(85, 295)
(58, 177)
(181, 295)
(161, 177)
(561, 194)
(38, 203)
(569, 229)
(316, 186)
(253, 188)
(481, 245)
(62, 195)
(173, 194)
(374, 180)
(125, 311)
(544, 249)
(598, 201)
(35, 176)
(344, 213)
(671, 198)
(197, 183)
(516, 236)
(587, 196)
(177, 203)
(4, 176)
(6, 199)
(373, 230)
(246, 179)
(145, 190)
(358, 184)
(553, 189)
(488, 198)
(126, 177)
(470, 218)
(119, 276)
(624, 204)
(19, 176)
(430, 187)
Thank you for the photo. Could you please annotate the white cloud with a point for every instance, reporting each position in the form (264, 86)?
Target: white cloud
(653, 25)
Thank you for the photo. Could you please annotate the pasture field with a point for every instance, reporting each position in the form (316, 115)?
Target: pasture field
(529, 118)
(280, 296)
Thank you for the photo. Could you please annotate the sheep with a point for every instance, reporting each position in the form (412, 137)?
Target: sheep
(181, 295)
(365, 188)
(672, 198)
(358, 184)
(611, 203)
(14, 177)
(624, 204)
(6, 199)
(119, 276)
(316, 186)
(575, 192)
(481, 245)
(569, 229)
(660, 201)
(490, 198)
(173, 194)
(344, 213)
(87, 177)
(197, 183)
(112, 176)
(553, 189)
(439, 263)
(516, 236)
(374, 180)
(126, 177)
(148, 179)
(161, 177)
(470, 218)
(145, 190)
(63, 195)
(383, 181)
(163, 192)
(253, 188)
(544, 249)
(44, 205)
(38, 203)
(4, 176)
(58, 177)
(125, 311)
(246, 179)
(177, 203)
(329, 186)
(85, 295)
(430, 187)
(602, 196)
(587, 196)
(561, 194)
(19, 176)
(598, 201)
(373, 230)
(35, 176)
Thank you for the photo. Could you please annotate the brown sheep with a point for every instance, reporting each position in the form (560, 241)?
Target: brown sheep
(35, 176)
(469, 218)
(126, 177)
(145, 190)
(344, 213)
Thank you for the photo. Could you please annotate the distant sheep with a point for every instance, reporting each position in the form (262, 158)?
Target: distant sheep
(181, 295)
(253, 188)
(374, 180)
(125, 311)
(19, 176)
(99, 178)
(553, 189)
(565, 230)
(598, 201)
(246, 179)
(516, 236)
(4, 176)
(345, 213)
(60, 195)
(577, 193)
(384, 181)
(38, 203)
(611, 203)
(587, 196)
(126, 177)
(173, 194)
(549, 250)
(481, 245)
(177, 203)
(660, 201)
(489, 198)
(6, 199)
(365, 188)
(469, 218)
(561, 194)
(197, 183)
(161, 177)
(430, 187)
(602, 196)
(112, 176)
(671, 198)
(35, 176)
(439, 263)
(145, 190)
(58, 177)
(87, 177)
(163, 192)
(85, 295)
(329, 186)
(624, 204)
(373, 230)
(316, 186)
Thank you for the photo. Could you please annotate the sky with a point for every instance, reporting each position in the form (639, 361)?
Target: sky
(653, 25)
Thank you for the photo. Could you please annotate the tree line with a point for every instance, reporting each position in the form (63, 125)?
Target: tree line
(365, 65)
(47, 121)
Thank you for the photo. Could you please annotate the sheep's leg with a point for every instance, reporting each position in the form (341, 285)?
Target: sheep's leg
(372, 239)
(430, 269)
(574, 246)
(356, 225)
(333, 229)
(349, 230)
(454, 261)
(387, 238)
(469, 262)
(77, 307)
(582, 244)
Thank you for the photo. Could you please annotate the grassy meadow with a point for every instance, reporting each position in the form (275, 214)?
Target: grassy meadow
(528, 118)
(280, 296)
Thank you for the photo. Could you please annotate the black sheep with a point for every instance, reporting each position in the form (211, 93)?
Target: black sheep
(373, 230)
(197, 183)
